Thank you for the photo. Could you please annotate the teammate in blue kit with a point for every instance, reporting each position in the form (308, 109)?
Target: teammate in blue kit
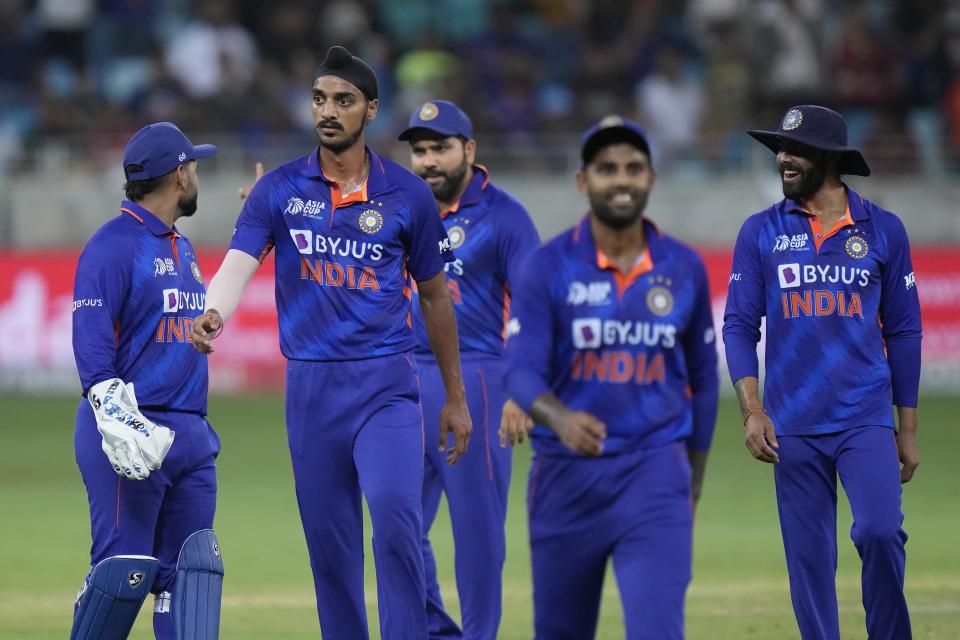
(612, 352)
(153, 495)
(349, 228)
(831, 273)
(492, 234)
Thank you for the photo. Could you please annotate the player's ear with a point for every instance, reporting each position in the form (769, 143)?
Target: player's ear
(372, 109)
(470, 149)
(582, 181)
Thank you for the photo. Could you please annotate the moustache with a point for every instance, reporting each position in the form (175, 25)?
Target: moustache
(433, 174)
(330, 124)
(789, 166)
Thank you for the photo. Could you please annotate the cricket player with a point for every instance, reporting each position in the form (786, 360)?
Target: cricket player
(492, 234)
(612, 352)
(144, 447)
(831, 273)
(349, 227)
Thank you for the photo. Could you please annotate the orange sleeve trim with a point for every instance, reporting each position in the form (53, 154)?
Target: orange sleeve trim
(506, 312)
(266, 251)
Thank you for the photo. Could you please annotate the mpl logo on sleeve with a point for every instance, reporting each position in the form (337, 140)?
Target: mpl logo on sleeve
(789, 275)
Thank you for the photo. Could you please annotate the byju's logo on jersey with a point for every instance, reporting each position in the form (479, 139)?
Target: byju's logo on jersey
(789, 275)
(796, 242)
(171, 300)
(309, 208)
(175, 300)
(302, 240)
(593, 293)
(163, 267)
(586, 333)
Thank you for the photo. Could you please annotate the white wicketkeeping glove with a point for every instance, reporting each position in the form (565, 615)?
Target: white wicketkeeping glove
(134, 445)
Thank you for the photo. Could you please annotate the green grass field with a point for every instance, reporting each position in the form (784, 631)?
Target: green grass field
(739, 589)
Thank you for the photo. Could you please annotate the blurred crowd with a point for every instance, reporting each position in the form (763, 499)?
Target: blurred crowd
(695, 73)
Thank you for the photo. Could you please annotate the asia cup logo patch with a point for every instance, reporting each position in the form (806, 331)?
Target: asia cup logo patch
(195, 270)
(792, 120)
(457, 235)
(659, 301)
(370, 221)
(428, 111)
(856, 247)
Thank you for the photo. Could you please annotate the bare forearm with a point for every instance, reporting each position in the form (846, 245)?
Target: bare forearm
(549, 410)
(748, 394)
(907, 419)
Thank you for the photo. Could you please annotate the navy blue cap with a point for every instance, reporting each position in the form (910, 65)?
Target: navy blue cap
(441, 116)
(817, 127)
(158, 149)
(611, 130)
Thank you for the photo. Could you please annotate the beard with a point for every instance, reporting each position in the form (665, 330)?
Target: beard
(187, 204)
(618, 218)
(340, 147)
(446, 190)
(809, 183)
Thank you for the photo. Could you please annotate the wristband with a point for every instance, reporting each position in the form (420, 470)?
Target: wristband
(751, 412)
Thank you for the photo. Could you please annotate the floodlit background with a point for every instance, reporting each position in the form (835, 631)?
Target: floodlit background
(78, 77)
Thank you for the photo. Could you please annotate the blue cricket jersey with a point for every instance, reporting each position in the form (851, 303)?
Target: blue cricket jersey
(343, 264)
(636, 350)
(492, 234)
(842, 316)
(137, 289)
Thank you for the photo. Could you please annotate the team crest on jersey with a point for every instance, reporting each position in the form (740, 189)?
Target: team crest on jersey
(792, 120)
(195, 270)
(370, 221)
(428, 111)
(659, 301)
(856, 247)
(457, 235)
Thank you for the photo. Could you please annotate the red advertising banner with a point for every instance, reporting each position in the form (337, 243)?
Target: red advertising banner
(36, 295)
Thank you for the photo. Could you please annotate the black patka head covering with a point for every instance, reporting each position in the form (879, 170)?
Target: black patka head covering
(343, 64)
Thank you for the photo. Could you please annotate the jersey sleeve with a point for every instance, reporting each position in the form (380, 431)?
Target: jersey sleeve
(700, 354)
(900, 317)
(745, 305)
(254, 230)
(517, 238)
(427, 244)
(100, 288)
(530, 335)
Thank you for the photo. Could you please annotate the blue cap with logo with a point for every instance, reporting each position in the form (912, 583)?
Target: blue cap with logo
(611, 130)
(158, 149)
(440, 116)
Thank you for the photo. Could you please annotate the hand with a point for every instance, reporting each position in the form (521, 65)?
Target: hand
(761, 438)
(133, 444)
(204, 329)
(582, 432)
(455, 418)
(908, 452)
(245, 191)
(515, 424)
